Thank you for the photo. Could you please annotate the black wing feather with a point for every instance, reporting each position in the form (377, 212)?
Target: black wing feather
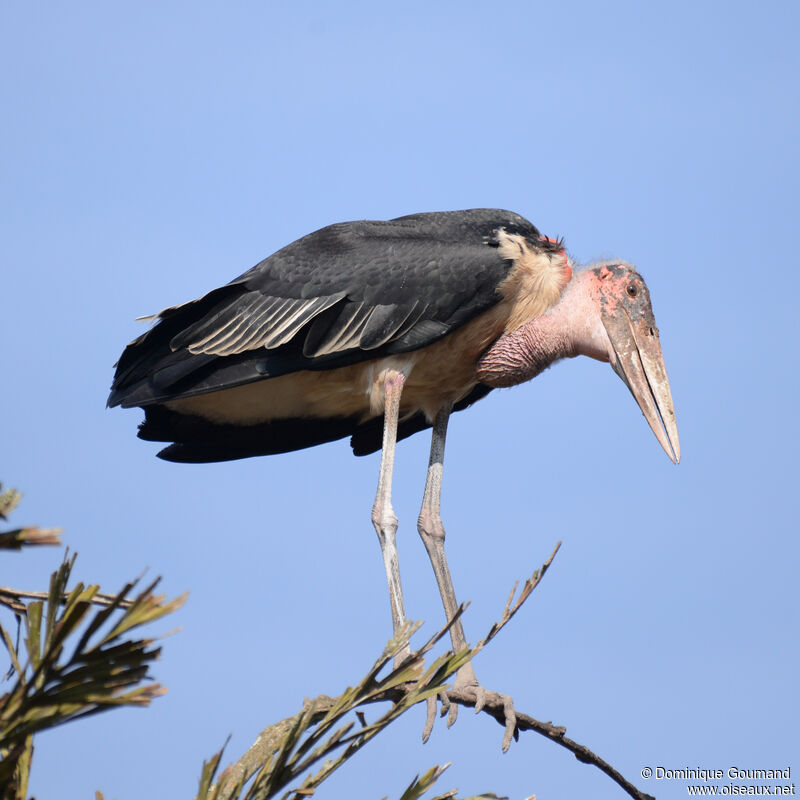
(383, 324)
(346, 293)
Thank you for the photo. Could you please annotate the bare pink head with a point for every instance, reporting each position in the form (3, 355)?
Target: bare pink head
(604, 313)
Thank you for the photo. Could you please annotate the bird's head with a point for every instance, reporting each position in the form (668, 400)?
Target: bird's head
(605, 313)
(628, 339)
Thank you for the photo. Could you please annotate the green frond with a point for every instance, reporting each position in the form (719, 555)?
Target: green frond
(51, 688)
(320, 736)
(420, 785)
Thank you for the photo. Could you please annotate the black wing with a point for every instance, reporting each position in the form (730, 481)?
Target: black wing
(346, 293)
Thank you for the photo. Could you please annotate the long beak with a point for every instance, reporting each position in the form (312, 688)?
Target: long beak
(640, 363)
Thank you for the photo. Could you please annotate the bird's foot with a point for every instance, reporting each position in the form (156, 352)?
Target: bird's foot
(467, 686)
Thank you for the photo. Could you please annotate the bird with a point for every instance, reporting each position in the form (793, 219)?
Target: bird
(380, 329)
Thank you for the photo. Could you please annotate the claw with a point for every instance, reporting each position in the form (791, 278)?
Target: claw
(430, 718)
(480, 699)
(452, 714)
(468, 683)
(511, 722)
(430, 713)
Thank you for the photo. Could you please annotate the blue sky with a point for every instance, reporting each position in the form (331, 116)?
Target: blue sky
(153, 151)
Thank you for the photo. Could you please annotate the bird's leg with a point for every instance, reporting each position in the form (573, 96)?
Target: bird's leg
(432, 531)
(383, 516)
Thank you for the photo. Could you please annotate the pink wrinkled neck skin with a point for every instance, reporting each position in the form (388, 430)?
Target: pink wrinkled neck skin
(571, 328)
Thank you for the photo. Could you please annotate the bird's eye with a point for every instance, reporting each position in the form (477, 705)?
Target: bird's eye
(632, 290)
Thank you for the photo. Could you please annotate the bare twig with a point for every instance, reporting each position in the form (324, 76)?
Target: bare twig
(556, 733)
(13, 599)
(508, 612)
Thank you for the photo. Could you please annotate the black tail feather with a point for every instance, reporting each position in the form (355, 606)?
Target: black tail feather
(197, 440)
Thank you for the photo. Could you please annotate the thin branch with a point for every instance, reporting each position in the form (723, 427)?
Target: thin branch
(12, 598)
(555, 733)
(509, 612)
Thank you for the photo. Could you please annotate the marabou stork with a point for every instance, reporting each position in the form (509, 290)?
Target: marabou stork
(379, 329)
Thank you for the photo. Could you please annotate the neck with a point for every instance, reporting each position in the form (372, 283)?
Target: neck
(570, 328)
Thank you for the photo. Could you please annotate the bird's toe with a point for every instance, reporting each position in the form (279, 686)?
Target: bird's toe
(468, 685)
(452, 714)
(480, 698)
(511, 721)
(430, 718)
(466, 688)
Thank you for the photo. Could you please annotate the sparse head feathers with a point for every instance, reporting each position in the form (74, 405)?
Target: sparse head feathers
(596, 273)
(612, 281)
